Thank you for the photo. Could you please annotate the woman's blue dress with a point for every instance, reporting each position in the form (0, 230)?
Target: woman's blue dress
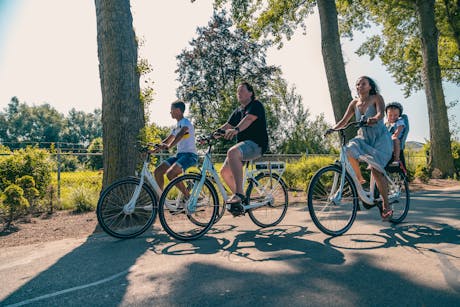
(372, 144)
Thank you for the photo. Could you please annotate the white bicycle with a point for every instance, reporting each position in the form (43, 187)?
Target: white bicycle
(334, 193)
(128, 207)
(266, 195)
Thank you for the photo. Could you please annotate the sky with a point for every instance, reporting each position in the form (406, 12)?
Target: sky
(48, 54)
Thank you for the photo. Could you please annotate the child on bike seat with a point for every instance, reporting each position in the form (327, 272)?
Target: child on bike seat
(398, 127)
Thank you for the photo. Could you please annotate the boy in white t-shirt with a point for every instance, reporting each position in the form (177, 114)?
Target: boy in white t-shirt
(183, 135)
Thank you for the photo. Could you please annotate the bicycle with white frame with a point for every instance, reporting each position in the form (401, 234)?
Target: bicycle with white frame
(128, 207)
(266, 194)
(334, 192)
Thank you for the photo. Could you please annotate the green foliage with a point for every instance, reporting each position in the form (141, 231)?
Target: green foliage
(299, 174)
(89, 181)
(422, 172)
(456, 156)
(80, 127)
(29, 161)
(27, 183)
(211, 69)
(95, 161)
(83, 199)
(276, 19)
(69, 163)
(32, 124)
(13, 203)
(399, 45)
(219, 58)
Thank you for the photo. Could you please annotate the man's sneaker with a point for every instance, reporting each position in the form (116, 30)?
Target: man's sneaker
(236, 209)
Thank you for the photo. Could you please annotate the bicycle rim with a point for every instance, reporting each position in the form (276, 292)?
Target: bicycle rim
(333, 215)
(110, 209)
(177, 216)
(271, 190)
(399, 197)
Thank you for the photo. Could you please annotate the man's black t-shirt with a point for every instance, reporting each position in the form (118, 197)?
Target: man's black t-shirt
(257, 131)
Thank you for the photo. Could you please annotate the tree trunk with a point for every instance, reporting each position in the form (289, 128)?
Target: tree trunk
(333, 59)
(440, 149)
(122, 111)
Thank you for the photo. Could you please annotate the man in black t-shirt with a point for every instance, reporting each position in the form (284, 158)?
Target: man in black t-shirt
(249, 125)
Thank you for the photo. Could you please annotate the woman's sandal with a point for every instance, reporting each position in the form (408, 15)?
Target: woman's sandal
(387, 215)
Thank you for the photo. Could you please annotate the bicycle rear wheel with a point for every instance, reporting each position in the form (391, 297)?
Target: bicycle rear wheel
(183, 217)
(271, 190)
(113, 216)
(398, 196)
(331, 212)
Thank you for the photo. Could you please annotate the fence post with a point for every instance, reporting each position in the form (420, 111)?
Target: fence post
(59, 174)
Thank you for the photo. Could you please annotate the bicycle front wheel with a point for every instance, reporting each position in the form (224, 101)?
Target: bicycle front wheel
(398, 196)
(332, 209)
(183, 215)
(122, 216)
(271, 191)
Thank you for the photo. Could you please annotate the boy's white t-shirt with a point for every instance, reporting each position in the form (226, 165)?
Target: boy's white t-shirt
(187, 143)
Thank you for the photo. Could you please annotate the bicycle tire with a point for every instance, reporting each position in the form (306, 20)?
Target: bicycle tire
(274, 211)
(175, 217)
(332, 218)
(110, 209)
(399, 196)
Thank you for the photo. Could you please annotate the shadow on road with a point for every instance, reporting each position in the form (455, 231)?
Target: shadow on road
(98, 260)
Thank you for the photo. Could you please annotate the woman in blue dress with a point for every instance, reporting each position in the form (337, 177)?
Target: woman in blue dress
(373, 143)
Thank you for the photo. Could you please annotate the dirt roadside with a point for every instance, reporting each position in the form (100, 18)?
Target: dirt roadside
(65, 224)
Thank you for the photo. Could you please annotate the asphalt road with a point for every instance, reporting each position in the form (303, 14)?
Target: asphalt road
(416, 263)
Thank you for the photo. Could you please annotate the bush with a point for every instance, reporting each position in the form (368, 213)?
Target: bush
(70, 181)
(33, 162)
(69, 163)
(456, 156)
(422, 172)
(83, 199)
(13, 203)
(95, 161)
(298, 174)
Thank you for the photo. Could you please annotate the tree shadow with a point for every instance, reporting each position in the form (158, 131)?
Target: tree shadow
(100, 259)
(406, 235)
(302, 281)
(270, 244)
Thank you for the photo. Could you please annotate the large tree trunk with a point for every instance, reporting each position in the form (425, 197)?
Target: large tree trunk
(332, 58)
(440, 152)
(122, 112)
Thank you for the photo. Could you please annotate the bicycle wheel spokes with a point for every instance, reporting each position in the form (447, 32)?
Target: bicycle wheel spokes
(332, 210)
(271, 191)
(398, 196)
(187, 214)
(110, 209)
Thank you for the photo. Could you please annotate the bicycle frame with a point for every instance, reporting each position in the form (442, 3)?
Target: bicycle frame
(365, 196)
(145, 174)
(208, 168)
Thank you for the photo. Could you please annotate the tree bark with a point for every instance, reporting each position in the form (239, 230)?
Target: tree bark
(440, 149)
(122, 111)
(333, 59)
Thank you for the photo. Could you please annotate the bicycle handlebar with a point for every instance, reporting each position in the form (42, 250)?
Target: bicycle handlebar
(358, 124)
(146, 147)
